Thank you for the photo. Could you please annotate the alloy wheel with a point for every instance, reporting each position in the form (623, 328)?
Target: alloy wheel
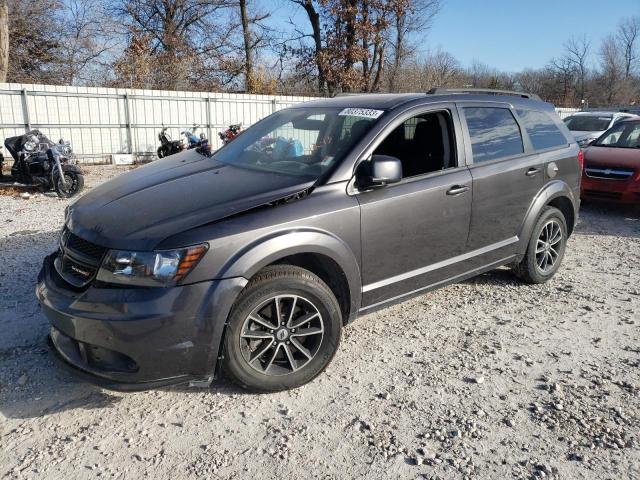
(548, 246)
(282, 335)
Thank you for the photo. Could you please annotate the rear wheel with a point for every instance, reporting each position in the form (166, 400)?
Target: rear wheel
(546, 248)
(74, 183)
(283, 330)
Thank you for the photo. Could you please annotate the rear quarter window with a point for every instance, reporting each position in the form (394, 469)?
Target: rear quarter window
(494, 133)
(542, 130)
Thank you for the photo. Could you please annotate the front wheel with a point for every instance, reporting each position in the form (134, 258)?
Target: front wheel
(546, 248)
(283, 330)
(74, 184)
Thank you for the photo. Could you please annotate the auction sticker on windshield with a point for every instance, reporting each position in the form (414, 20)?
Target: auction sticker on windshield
(361, 112)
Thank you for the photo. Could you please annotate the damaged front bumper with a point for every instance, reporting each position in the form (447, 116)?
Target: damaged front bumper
(137, 338)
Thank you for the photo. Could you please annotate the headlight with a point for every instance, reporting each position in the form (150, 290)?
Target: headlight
(30, 145)
(150, 269)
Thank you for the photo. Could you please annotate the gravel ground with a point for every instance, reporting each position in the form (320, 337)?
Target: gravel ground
(488, 378)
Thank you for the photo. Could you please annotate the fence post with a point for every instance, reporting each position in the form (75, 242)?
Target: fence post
(127, 120)
(25, 109)
(273, 105)
(208, 104)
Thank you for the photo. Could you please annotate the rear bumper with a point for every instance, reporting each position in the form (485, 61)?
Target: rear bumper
(619, 191)
(137, 338)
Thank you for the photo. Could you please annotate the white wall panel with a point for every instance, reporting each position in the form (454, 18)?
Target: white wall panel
(95, 119)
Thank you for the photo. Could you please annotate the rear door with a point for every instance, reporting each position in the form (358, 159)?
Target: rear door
(506, 174)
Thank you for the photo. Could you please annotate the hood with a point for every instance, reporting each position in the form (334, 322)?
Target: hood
(579, 135)
(140, 208)
(609, 157)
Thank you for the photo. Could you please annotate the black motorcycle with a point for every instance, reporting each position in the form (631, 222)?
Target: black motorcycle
(39, 162)
(168, 146)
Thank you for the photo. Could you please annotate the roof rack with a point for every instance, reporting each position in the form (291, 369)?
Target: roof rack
(489, 91)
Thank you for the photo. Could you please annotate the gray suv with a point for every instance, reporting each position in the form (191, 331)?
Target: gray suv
(254, 258)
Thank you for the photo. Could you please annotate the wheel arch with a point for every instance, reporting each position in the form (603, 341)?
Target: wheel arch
(318, 251)
(71, 167)
(556, 194)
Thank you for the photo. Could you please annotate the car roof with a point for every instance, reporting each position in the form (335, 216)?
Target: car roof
(634, 119)
(592, 114)
(382, 101)
(603, 114)
(389, 101)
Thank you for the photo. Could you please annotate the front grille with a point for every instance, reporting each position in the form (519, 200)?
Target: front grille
(80, 245)
(79, 259)
(601, 194)
(613, 173)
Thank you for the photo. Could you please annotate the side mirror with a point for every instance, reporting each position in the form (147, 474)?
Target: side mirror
(380, 171)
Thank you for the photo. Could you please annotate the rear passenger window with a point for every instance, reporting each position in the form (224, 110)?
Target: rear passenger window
(542, 130)
(494, 133)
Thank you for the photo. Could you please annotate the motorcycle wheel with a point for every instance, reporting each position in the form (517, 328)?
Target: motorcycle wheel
(161, 152)
(75, 183)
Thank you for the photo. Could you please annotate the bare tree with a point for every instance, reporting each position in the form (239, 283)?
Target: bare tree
(4, 40)
(86, 37)
(34, 47)
(577, 53)
(628, 37)
(441, 69)
(184, 37)
(409, 17)
(253, 37)
(611, 69)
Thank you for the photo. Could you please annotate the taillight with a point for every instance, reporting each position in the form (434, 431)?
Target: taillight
(581, 159)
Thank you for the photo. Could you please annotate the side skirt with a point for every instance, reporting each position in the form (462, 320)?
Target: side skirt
(458, 278)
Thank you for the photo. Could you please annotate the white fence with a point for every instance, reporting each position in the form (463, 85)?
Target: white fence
(100, 122)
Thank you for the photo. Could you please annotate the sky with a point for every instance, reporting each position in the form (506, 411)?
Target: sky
(513, 35)
(510, 35)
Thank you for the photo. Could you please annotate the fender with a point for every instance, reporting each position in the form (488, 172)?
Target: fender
(70, 167)
(277, 245)
(550, 191)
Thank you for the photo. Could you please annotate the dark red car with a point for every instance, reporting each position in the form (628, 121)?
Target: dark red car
(612, 165)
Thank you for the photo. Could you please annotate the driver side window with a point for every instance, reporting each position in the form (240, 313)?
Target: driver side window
(424, 144)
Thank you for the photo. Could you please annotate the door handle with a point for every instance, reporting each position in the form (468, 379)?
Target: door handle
(457, 190)
(532, 172)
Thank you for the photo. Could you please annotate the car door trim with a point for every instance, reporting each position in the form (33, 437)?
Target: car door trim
(436, 266)
(455, 278)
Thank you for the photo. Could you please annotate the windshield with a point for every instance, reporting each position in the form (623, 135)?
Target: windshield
(586, 123)
(622, 135)
(299, 141)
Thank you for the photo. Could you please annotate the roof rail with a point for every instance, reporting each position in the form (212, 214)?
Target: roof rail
(489, 91)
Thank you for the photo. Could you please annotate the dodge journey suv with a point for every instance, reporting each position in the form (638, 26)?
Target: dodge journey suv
(253, 259)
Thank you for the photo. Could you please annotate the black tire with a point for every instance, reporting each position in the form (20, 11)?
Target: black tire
(161, 153)
(310, 292)
(75, 184)
(529, 269)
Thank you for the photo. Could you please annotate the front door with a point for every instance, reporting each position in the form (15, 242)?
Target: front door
(412, 230)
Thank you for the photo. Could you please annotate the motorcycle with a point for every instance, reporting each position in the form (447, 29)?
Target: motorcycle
(193, 140)
(168, 146)
(230, 133)
(40, 162)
